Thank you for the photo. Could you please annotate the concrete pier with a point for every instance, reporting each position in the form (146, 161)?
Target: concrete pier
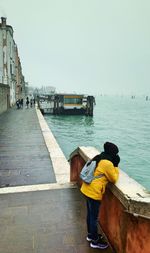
(40, 210)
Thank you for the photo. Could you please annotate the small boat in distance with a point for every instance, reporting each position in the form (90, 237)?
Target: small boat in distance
(66, 104)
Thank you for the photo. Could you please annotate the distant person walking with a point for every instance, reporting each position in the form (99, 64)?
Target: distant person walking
(18, 104)
(31, 102)
(106, 167)
(27, 102)
(34, 101)
(21, 103)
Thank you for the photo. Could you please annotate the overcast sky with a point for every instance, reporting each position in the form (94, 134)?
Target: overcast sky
(87, 46)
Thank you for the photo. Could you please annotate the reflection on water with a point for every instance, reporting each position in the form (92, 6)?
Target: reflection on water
(121, 120)
(70, 120)
(89, 121)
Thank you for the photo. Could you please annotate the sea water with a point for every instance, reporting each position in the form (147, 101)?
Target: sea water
(121, 120)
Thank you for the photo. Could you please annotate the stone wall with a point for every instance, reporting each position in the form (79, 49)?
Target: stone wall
(4, 97)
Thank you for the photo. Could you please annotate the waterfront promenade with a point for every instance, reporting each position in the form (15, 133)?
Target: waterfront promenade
(38, 214)
(24, 158)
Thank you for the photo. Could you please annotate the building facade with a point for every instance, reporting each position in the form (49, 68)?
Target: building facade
(12, 82)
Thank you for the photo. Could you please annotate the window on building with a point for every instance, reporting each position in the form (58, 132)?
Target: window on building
(73, 101)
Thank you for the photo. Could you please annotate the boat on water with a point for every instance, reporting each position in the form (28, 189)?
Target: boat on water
(66, 104)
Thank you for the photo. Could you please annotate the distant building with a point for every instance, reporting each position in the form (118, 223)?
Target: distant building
(46, 90)
(12, 83)
(26, 88)
(30, 90)
(20, 80)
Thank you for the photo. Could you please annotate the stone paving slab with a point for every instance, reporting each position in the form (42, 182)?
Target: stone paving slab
(24, 158)
(51, 221)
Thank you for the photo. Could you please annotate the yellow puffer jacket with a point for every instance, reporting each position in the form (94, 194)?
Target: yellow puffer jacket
(96, 188)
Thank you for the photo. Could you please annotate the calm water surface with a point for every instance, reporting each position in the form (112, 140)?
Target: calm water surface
(121, 120)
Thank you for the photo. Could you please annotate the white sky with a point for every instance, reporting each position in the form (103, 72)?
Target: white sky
(87, 46)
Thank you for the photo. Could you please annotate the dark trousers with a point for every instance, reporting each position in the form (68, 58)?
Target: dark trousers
(92, 217)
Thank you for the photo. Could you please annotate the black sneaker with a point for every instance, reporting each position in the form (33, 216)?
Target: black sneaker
(89, 239)
(99, 244)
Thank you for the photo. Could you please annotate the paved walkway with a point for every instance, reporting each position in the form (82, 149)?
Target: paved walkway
(24, 158)
(50, 221)
(44, 218)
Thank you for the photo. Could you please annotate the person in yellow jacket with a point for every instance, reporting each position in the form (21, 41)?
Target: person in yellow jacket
(106, 166)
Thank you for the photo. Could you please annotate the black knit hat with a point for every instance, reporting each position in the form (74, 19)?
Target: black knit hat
(110, 148)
